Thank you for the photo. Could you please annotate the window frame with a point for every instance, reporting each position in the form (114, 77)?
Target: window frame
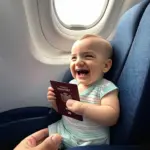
(51, 44)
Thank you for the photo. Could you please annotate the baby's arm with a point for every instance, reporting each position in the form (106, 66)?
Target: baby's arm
(106, 113)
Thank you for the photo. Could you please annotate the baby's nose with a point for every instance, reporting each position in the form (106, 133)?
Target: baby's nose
(79, 62)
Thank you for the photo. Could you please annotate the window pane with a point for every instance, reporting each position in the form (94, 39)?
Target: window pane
(79, 12)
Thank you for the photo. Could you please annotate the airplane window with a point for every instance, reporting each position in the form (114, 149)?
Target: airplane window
(79, 14)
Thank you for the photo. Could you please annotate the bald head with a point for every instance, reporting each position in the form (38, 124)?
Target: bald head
(97, 43)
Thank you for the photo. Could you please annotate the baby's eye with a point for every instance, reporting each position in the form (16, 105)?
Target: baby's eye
(89, 56)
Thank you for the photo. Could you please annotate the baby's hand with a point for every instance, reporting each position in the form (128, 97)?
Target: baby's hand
(75, 106)
(51, 97)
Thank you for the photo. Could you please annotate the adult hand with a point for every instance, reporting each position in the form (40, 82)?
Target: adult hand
(40, 141)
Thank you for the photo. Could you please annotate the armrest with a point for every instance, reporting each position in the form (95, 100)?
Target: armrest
(53, 116)
(17, 124)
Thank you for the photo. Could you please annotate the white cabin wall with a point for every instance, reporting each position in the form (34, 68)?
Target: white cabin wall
(23, 79)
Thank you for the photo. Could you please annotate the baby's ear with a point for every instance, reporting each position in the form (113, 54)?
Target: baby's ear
(107, 66)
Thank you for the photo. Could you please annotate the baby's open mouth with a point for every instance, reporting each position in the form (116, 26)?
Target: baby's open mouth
(82, 71)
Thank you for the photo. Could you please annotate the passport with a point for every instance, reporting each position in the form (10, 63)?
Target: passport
(63, 92)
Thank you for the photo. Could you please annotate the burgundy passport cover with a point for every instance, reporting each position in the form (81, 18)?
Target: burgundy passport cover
(63, 92)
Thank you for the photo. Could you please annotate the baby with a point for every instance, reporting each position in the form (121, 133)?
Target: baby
(99, 104)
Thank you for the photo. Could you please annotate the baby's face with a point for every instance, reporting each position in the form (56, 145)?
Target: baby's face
(87, 62)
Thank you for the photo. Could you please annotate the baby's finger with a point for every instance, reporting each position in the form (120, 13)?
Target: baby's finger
(51, 97)
(50, 89)
(50, 93)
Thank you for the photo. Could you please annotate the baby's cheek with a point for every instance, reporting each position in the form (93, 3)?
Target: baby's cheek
(73, 74)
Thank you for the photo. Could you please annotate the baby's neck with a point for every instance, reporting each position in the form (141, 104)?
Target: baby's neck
(82, 87)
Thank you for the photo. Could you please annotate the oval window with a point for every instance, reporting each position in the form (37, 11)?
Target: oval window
(79, 14)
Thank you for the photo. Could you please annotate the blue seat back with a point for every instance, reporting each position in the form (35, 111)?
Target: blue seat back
(131, 73)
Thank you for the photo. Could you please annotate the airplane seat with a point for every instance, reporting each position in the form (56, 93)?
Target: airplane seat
(131, 73)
